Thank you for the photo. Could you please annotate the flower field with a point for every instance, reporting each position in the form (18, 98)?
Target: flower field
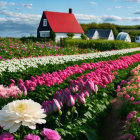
(129, 92)
(63, 97)
(15, 48)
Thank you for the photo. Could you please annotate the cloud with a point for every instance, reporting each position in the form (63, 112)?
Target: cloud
(20, 17)
(105, 18)
(18, 24)
(110, 18)
(11, 4)
(92, 3)
(3, 4)
(135, 1)
(129, 7)
(108, 9)
(29, 6)
(118, 7)
(3, 20)
(87, 17)
(137, 13)
(12, 29)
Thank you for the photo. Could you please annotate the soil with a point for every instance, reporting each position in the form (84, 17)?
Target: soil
(112, 126)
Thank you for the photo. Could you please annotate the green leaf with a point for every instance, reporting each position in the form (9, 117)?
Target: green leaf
(91, 135)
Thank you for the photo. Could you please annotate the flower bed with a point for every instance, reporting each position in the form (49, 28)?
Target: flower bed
(129, 93)
(16, 65)
(81, 107)
(10, 48)
(50, 68)
(60, 76)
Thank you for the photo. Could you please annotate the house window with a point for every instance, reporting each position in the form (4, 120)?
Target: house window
(44, 22)
(44, 33)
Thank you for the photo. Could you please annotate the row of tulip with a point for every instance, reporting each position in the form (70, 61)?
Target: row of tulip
(28, 113)
(129, 92)
(16, 65)
(81, 88)
(58, 77)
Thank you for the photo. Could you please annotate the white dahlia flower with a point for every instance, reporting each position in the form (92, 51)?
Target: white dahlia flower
(21, 112)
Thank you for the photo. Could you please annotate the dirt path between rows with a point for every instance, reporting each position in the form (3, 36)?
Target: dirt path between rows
(112, 129)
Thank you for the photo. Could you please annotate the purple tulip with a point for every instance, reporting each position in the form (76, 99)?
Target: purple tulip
(56, 106)
(81, 98)
(12, 81)
(89, 86)
(23, 89)
(74, 88)
(85, 79)
(47, 105)
(33, 79)
(109, 78)
(59, 96)
(138, 120)
(20, 81)
(70, 100)
(95, 88)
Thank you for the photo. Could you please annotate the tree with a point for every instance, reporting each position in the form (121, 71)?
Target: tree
(84, 37)
(53, 35)
(70, 35)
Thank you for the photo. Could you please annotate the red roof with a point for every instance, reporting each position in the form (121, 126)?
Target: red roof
(63, 22)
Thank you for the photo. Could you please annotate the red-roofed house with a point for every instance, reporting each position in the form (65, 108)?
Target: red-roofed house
(60, 23)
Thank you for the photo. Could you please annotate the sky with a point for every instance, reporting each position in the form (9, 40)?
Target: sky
(20, 18)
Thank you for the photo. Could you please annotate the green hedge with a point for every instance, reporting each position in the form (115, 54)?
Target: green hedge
(101, 45)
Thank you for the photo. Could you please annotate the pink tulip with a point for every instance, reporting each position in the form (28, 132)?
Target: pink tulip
(138, 120)
(86, 94)
(130, 116)
(6, 136)
(109, 78)
(49, 134)
(127, 97)
(32, 137)
(20, 81)
(95, 88)
(132, 99)
(129, 136)
(120, 94)
(12, 81)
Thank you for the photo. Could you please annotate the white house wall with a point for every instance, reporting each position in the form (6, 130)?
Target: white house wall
(96, 35)
(63, 35)
(111, 36)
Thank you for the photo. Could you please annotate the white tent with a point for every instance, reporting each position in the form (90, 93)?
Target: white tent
(123, 36)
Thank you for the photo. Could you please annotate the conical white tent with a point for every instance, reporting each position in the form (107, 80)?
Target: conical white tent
(123, 36)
